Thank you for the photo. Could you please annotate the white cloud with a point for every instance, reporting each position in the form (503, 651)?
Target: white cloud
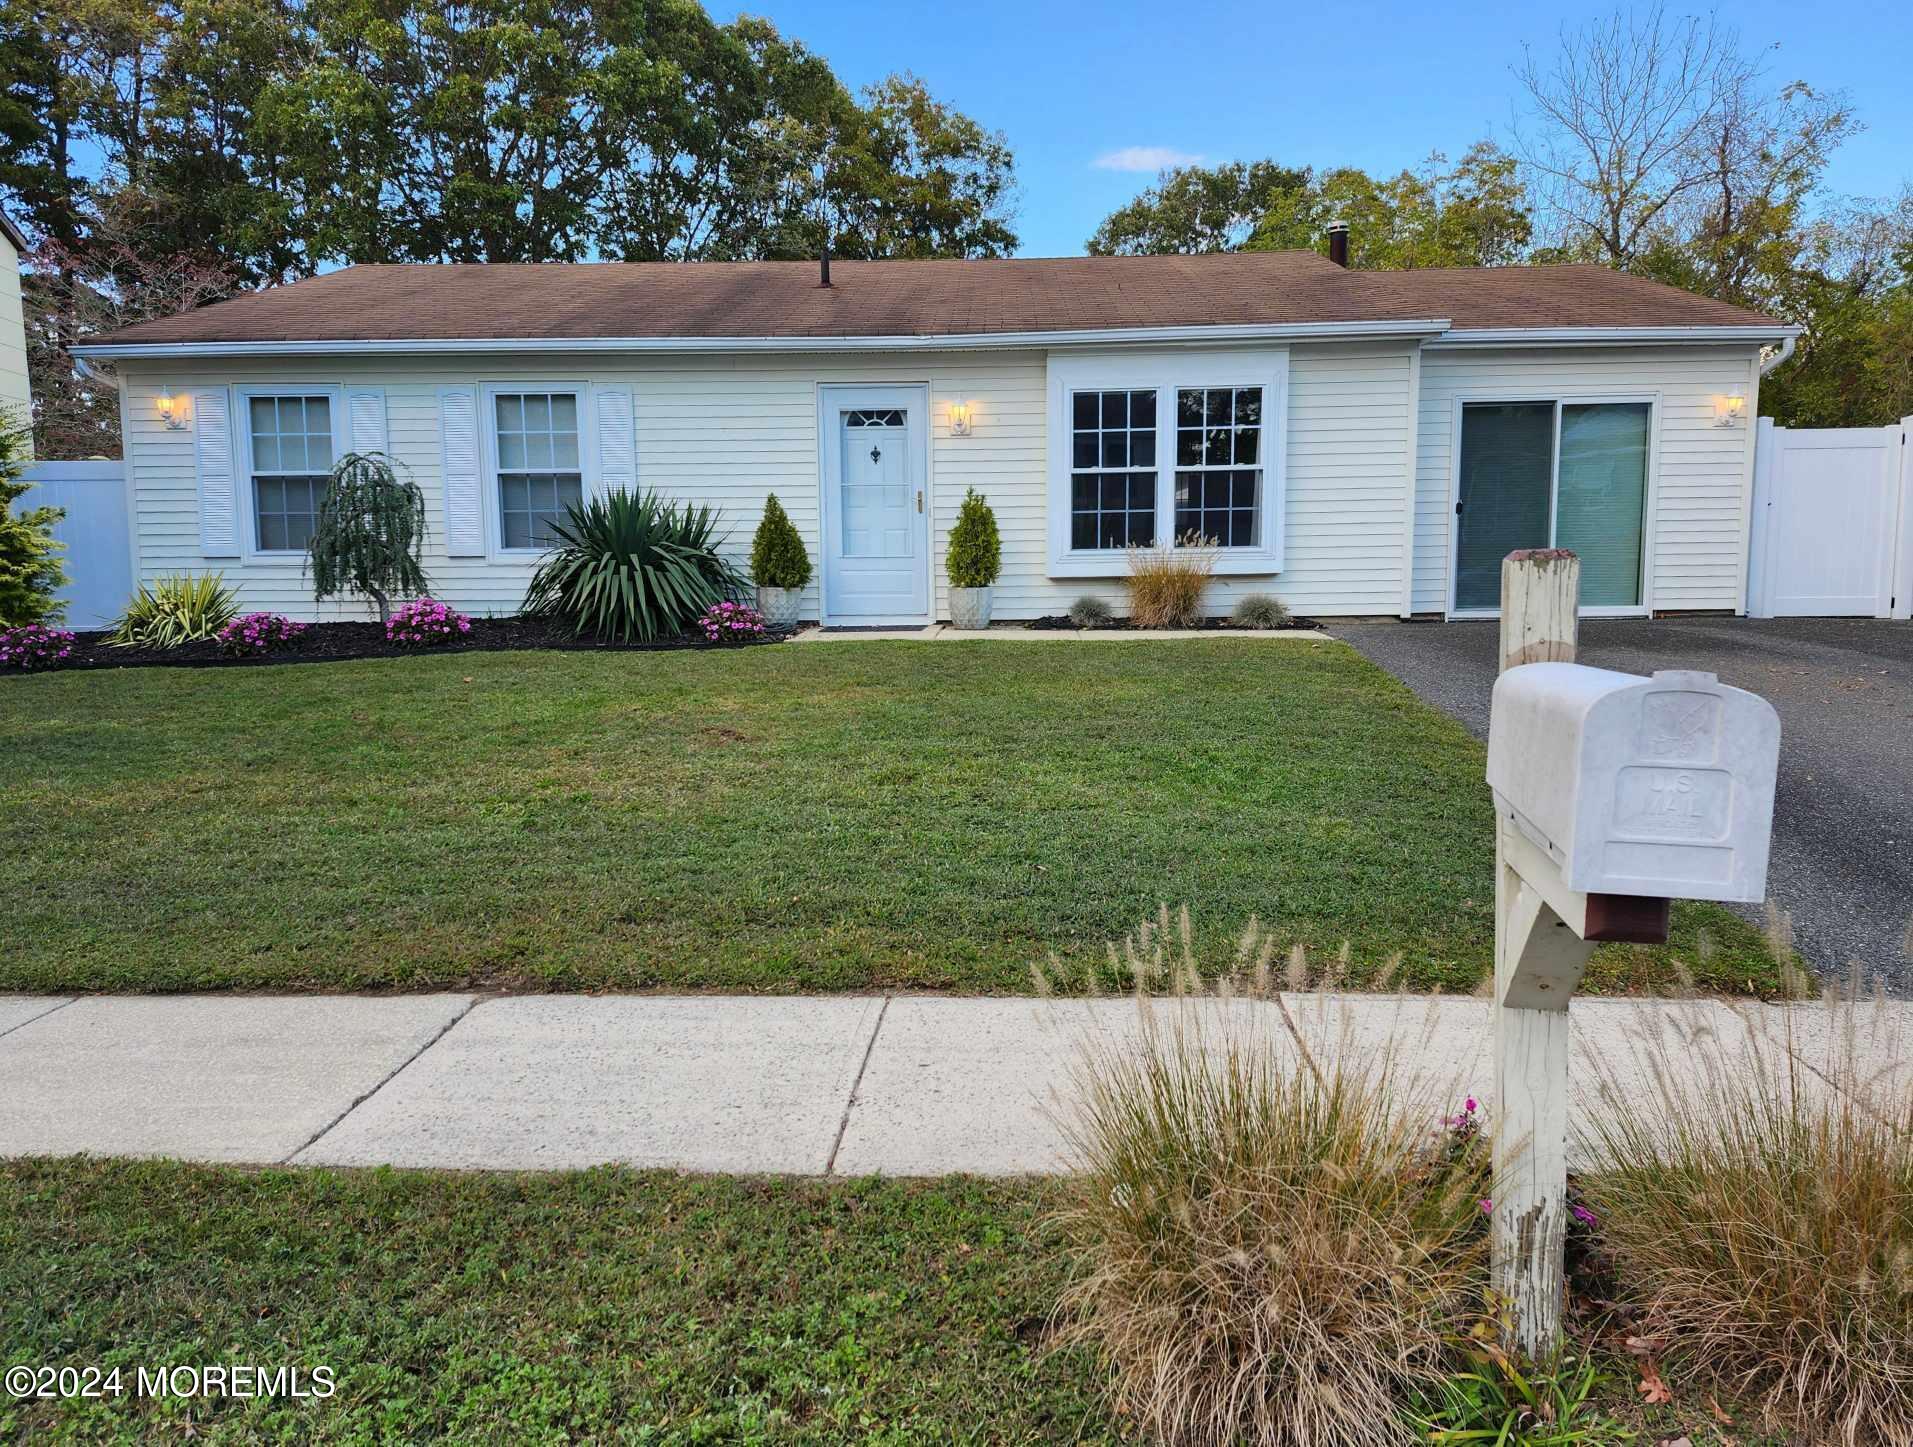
(1144, 158)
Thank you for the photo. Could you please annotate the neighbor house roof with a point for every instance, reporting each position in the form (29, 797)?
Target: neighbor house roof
(603, 302)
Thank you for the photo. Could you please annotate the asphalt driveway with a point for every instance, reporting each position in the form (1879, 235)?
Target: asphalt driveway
(1842, 861)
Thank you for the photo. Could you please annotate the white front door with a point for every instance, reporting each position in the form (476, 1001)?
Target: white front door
(877, 523)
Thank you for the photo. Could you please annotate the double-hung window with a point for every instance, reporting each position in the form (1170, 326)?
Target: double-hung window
(290, 452)
(540, 471)
(1166, 449)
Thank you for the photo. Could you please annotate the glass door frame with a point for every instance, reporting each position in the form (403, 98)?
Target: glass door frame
(1558, 400)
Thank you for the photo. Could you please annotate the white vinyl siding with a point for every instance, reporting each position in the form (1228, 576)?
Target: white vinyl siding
(1701, 480)
(14, 393)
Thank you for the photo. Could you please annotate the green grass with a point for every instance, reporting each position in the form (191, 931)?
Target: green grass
(602, 1305)
(608, 1305)
(794, 818)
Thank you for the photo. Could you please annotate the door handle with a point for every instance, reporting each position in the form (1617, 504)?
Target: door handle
(919, 499)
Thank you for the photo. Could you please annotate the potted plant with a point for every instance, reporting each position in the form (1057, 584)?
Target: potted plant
(780, 567)
(975, 558)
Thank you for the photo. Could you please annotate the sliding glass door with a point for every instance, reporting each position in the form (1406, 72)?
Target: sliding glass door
(1552, 474)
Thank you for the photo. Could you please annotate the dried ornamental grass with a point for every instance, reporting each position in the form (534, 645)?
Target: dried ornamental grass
(1756, 1195)
(1269, 1241)
(1167, 583)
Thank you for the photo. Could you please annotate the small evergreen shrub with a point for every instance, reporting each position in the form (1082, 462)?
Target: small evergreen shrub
(976, 552)
(778, 559)
(632, 566)
(731, 623)
(30, 570)
(424, 622)
(180, 608)
(1166, 584)
(1260, 610)
(368, 533)
(258, 633)
(1090, 611)
(34, 646)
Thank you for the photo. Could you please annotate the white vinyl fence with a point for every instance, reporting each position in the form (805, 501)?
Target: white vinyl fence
(1833, 522)
(99, 553)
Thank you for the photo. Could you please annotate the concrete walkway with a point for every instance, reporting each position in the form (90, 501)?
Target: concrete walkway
(809, 1085)
(1016, 633)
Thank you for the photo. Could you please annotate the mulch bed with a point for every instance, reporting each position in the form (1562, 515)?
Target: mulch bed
(338, 642)
(1060, 622)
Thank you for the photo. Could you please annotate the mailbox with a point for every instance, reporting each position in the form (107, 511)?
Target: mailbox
(1659, 786)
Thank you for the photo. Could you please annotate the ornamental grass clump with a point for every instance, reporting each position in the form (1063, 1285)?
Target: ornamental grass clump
(633, 566)
(1260, 611)
(1166, 584)
(424, 622)
(1089, 611)
(34, 646)
(1751, 1169)
(1274, 1236)
(259, 633)
(181, 608)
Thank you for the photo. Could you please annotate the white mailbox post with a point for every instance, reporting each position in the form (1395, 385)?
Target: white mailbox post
(1614, 795)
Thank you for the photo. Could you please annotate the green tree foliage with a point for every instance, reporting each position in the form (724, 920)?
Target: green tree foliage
(367, 536)
(976, 552)
(30, 570)
(778, 559)
(1474, 213)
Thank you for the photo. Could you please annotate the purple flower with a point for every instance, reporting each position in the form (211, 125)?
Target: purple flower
(1487, 1205)
(1585, 1217)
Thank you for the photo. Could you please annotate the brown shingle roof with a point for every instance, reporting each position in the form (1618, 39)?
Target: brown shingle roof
(558, 301)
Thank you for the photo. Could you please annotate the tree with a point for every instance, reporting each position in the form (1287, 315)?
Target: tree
(976, 550)
(30, 569)
(1646, 133)
(367, 536)
(1198, 208)
(778, 559)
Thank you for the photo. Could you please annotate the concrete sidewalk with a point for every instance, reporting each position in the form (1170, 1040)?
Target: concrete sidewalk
(811, 1085)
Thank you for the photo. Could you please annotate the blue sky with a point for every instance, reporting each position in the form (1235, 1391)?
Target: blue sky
(1376, 86)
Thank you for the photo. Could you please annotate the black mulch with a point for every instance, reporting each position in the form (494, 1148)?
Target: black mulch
(1061, 621)
(337, 642)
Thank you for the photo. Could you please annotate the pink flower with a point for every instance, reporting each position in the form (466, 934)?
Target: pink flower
(1487, 1205)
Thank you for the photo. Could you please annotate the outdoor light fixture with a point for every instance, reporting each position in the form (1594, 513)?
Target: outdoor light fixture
(1730, 410)
(172, 410)
(959, 419)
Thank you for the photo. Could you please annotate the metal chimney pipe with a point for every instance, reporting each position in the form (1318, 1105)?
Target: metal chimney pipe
(1338, 242)
(824, 266)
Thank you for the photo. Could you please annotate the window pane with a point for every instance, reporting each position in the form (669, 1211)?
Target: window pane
(1188, 447)
(1507, 461)
(272, 531)
(1085, 409)
(516, 530)
(1115, 449)
(1083, 452)
(538, 449)
(1142, 409)
(511, 449)
(564, 449)
(1247, 443)
(1217, 445)
(1602, 497)
(1115, 409)
(564, 412)
(537, 414)
(1082, 491)
(1188, 409)
(1221, 401)
(1142, 449)
(1082, 529)
(1248, 406)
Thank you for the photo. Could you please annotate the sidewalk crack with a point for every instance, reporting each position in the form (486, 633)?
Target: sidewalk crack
(323, 1131)
(50, 1010)
(843, 1125)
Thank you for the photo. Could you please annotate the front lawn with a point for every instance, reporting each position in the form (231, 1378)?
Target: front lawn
(803, 817)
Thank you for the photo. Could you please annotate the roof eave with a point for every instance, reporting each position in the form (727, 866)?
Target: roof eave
(1751, 333)
(1415, 329)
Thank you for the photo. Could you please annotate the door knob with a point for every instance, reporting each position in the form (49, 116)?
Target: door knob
(919, 499)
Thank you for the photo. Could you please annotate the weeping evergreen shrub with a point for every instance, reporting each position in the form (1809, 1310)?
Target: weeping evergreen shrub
(368, 533)
(778, 559)
(630, 566)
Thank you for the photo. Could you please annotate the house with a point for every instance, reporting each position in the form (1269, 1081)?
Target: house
(16, 400)
(1360, 443)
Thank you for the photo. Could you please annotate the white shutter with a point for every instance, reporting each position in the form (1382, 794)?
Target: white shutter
(365, 411)
(464, 495)
(617, 442)
(217, 474)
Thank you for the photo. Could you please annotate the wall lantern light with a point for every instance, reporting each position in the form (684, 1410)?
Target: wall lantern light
(1730, 410)
(172, 409)
(959, 419)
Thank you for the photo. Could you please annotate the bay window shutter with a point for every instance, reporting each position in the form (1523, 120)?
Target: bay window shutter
(617, 442)
(218, 475)
(365, 412)
(464, 486)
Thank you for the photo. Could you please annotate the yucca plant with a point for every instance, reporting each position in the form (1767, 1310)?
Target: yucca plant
(631, 566)
(179, 608)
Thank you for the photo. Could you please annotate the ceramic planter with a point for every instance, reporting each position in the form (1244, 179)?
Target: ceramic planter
(970, 607)
(780, 607)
